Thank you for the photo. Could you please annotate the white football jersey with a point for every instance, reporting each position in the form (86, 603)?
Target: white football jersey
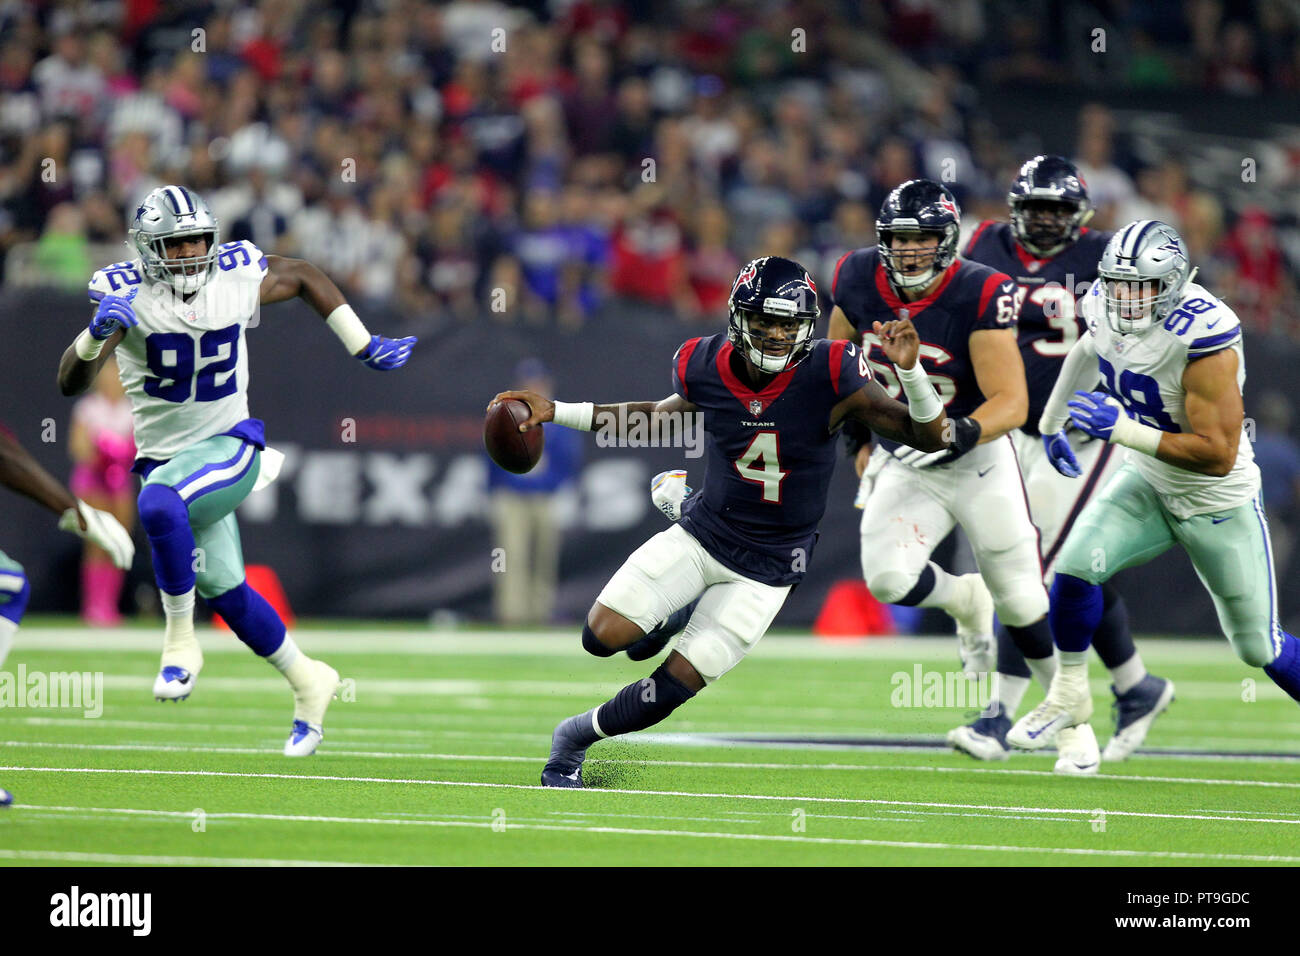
(185, 367)
(1145, 372)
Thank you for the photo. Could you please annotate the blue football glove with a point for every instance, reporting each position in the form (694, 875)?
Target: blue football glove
(1094, 413)
(386, 354)
(1061, 455)
(114, 312)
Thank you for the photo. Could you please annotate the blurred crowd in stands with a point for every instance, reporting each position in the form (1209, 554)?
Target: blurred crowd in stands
(552, 157)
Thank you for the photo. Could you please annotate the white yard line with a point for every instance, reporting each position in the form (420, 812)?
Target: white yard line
(555, 643)
(702, 795)
(133, 859)
(626, 831)
(711, 764)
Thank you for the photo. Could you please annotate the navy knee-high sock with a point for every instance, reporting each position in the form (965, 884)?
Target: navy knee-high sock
(1113, 640)
(642, 704)
(1011, 661)
(1076, 610)
(1285, 669)
(167, 523)
(252, 619)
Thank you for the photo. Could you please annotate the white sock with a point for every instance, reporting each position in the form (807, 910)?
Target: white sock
(7, 631)
(1125, 677)
(944, 591)
(292, 663)
(180, 646)
(1073, 660)
(1043, 669)
(1010, 691)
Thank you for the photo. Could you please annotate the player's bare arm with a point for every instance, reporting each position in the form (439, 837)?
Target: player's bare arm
(76, 374)
(1000, 372)
(870, 405)
(22, 473)
(1214, 408)
(842, 328)
(299, 279)
(543, 410)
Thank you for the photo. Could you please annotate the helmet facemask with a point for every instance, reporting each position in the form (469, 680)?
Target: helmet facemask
(186, 275)
(1045, 226)
(894, 260)
(776, 339)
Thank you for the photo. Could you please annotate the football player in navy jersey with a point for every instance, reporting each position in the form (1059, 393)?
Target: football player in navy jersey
(965, 315)
(772, 399)
(1051, 254)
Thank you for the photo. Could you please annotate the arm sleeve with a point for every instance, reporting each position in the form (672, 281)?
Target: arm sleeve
(1078, 372)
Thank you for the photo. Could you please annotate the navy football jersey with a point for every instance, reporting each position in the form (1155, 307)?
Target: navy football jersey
(769, 454)
(1049, 322)
(968, 298)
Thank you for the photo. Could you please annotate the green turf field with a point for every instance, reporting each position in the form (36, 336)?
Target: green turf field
(434, 754)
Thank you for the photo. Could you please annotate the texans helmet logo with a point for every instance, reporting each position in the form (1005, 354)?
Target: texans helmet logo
(812, 285)
(746, 276)
(948, 206)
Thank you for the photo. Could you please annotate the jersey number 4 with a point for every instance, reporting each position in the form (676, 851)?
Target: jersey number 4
(171, 358)
(765, 448)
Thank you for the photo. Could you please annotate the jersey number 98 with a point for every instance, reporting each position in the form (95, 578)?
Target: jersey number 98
(171, 358)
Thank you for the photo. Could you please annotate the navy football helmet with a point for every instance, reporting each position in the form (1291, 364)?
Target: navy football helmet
(773, 311)
(1049, 205)
(918, 207)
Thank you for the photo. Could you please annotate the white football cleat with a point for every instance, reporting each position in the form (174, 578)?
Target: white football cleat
(1077, 750)
(174, 683)
(182, 659)
(1068, 703)
(974, 617)
(309, 707)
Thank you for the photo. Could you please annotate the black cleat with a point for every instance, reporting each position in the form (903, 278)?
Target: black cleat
(556, 777)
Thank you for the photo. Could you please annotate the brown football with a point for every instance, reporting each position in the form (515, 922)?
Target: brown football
(513, 450)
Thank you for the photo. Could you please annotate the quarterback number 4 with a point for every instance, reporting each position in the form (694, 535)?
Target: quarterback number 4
(170, 357)
(764, 448)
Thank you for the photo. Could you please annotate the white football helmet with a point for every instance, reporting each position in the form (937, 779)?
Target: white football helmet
(1143, 251)
(167, 214)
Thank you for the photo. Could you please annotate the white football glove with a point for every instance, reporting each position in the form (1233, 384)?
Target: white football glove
(875, 464)
(101, 529)
(668, 490)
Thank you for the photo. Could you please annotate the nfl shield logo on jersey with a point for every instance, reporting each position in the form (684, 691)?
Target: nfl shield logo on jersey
(755, 407)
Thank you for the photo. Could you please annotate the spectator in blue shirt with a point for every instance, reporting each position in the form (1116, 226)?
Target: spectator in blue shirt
(524, 517)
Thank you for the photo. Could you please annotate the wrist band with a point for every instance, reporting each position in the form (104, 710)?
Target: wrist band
(574, 415)
(87, 346)
(922, 400)
(1135, 435)
(349, 329)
